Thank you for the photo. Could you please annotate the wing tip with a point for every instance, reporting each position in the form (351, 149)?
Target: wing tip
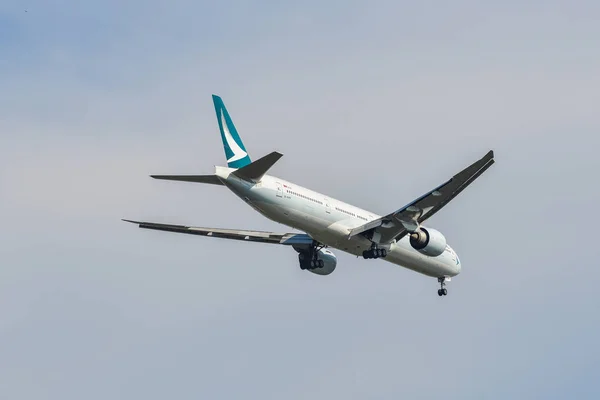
(490, 158)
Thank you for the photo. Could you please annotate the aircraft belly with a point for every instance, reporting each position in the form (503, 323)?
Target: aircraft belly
(276, 213)
(289, 216)
(398, 255)
(305, 219)
(354, 247)
(409, 258)
(335, 235)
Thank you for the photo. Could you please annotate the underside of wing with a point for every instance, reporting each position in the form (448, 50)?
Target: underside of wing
(292, 239)
(397, 224)
(210, 179)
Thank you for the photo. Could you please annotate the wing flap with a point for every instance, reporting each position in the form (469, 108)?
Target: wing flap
(235, 234)
(363, 228)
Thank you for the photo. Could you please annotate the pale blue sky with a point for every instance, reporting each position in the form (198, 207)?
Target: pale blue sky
(371, 102)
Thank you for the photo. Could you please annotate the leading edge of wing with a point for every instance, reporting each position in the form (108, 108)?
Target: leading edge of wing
(454, 186)
(428, 204)
(234, 234)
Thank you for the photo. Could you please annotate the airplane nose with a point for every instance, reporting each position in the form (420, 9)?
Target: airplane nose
(458, 266)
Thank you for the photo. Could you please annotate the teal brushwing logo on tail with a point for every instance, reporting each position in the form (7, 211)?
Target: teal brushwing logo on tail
(237, 156)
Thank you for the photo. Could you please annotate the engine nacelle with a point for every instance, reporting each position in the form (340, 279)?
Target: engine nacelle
(328, 259)
(428, 241)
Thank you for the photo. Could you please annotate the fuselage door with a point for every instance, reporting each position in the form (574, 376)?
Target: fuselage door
(279, 192)
(327, 206)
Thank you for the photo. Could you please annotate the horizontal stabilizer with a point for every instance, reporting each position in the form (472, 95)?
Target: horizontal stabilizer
(255, 170)
(210, 179)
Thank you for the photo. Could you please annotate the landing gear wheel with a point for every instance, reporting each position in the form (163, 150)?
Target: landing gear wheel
(442, 291)
(374, 252)
(309, 258)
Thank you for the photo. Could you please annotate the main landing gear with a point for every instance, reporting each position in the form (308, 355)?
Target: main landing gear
(442, 291)
(309, 258)
(374, 252)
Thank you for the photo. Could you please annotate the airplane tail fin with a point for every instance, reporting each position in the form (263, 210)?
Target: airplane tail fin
(236, 154)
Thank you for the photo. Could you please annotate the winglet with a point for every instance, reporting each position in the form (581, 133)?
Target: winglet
(255, 170)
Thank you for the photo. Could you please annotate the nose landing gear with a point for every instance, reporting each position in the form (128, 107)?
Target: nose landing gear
(442, 291)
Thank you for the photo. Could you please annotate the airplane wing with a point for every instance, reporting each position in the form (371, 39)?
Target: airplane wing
(292, 239)
(210, 179)
(408, 218)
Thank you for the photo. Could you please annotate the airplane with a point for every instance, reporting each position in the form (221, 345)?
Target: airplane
(398, 237)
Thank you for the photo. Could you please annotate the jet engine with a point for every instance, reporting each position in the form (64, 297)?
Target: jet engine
(324, 264)
(428, 241)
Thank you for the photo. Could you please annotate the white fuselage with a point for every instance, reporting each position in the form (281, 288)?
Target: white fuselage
(329, 220)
